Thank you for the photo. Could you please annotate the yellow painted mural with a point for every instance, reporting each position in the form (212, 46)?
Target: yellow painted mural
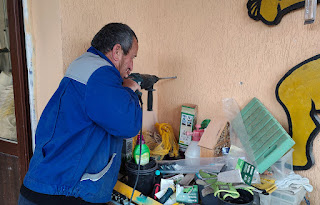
(299, 94)
(271, 12)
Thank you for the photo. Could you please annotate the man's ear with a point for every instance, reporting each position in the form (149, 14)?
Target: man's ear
(117, 52)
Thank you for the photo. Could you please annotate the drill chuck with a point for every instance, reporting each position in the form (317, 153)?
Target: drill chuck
(146, 81)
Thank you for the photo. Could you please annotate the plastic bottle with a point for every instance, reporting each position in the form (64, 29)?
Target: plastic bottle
(193, 150)
(145, 152)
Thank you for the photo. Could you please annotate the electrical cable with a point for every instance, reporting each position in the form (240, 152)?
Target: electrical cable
(140, 143)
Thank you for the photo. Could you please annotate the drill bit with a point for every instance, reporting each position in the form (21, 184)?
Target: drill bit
(174, 77)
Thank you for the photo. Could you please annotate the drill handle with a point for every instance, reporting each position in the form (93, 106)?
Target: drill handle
(150, 99)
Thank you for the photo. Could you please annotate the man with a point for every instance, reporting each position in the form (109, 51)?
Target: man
(80, 132)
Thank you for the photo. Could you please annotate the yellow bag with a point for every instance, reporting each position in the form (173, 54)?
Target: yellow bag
(161, 144)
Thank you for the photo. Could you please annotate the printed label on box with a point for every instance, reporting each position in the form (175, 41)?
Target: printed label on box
(186, 126)
(246, 169)
(188, 115)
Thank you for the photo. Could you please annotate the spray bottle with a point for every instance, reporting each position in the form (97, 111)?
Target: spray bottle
(145, 151)
(193, 150)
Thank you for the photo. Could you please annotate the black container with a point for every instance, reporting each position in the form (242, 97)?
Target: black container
(146, 175)
(246, 198)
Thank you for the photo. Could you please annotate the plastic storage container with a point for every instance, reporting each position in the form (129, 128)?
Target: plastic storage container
(280, 197)
(184, 166)
(283, 167)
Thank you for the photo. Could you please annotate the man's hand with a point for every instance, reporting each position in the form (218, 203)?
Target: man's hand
(131, 84)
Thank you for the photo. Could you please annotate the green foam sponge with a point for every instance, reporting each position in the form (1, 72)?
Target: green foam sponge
(266, 140)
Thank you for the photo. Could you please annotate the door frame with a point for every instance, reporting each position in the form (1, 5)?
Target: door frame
(23, 148)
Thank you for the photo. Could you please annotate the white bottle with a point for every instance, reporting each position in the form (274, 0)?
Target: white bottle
(193, 150)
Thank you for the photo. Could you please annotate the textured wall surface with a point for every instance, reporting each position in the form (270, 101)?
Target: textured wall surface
(46, 27)
(213, 47)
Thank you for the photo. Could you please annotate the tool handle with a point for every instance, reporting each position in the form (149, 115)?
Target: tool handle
(166, 196)
(150, 99)
(156, 187)
(155, 190)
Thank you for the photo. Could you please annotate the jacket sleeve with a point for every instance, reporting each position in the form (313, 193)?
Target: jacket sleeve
(112, 106)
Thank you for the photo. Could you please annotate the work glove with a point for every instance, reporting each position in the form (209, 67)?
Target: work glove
(219, 189)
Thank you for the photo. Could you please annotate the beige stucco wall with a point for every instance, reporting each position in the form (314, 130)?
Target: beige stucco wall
(43, 23)
(213, 47)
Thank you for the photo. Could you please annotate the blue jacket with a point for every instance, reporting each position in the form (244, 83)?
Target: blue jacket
(80, 132)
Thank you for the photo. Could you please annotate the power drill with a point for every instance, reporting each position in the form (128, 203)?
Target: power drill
(146, 82)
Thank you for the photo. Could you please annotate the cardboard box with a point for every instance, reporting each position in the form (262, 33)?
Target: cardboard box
(214, 137)
(187, 122)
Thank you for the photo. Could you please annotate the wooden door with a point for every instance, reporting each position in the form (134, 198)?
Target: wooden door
(15, 129)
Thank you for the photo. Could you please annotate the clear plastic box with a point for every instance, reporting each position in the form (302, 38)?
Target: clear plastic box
(192, 165)
(283, 167)
(281, 197)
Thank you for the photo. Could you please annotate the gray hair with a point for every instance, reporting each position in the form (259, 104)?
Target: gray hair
(112, 34)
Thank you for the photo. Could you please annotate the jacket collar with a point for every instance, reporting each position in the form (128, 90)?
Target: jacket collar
(97, 52)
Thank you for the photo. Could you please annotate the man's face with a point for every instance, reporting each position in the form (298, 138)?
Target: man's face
(126, 62)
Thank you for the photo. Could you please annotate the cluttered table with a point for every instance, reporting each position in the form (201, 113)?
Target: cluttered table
(242, 158)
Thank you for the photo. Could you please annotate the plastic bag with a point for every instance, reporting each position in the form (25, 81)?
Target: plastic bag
(232, 113)
(7, 115)
(237, 150)
(161, 143)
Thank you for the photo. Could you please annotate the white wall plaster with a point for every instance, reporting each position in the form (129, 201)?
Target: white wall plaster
(29, 55)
